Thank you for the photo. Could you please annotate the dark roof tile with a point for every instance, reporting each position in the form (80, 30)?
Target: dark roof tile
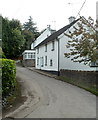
(56, 34)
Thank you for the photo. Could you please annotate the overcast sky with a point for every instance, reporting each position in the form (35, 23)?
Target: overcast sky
(45, 12)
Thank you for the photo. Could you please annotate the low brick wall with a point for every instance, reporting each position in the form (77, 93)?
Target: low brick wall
(28, 63)
(87, 79)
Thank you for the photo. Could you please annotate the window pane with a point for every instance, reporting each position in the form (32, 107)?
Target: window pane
(38, 61)
(51, 62)
(46, 48)
(52, 45)
(45, 60)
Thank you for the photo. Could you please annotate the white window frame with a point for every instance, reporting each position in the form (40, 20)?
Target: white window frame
(45, 47)
(42, 61)
(45, 60)
(38, 50)
(25, 56)
(51, 62)
(53, 46)
(37, 60)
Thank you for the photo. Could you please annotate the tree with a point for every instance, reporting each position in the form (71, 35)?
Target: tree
(83, 42)
(29, 37)
(30, 25)
(30, 32)
(12, 38)
(0, 30)
(15, 24)
(2, 53)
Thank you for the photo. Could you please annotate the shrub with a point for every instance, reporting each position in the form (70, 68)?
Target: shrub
(8, 77)
(2, 53)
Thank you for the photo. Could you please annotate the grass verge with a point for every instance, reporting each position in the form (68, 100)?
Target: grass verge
(89, 88)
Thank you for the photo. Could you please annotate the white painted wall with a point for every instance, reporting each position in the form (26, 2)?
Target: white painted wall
(97, 10)
(42, 37)
(66, 63)
(50, 55)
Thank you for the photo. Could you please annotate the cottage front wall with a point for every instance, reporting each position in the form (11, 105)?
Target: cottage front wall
(41, 38)
(66, 63)
(52, 57)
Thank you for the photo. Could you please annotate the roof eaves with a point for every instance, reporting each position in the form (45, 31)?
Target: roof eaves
(56, 34)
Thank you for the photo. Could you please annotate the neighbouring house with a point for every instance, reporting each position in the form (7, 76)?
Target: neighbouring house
(28, 58)
(97, 10)
(50, 47)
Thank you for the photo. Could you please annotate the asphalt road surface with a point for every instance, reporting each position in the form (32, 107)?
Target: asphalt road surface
(55, 99)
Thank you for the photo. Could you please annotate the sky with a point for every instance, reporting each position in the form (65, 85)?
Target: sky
(47, 12)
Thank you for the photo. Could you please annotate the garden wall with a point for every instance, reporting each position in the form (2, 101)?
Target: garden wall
(28, 63)
(84, 79)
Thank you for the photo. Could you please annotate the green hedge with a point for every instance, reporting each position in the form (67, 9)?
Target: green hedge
(8, 77)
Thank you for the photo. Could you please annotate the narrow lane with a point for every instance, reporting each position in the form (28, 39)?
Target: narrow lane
(57, 99)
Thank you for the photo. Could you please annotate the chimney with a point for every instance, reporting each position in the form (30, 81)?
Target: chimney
(71, 19)
(49, 27)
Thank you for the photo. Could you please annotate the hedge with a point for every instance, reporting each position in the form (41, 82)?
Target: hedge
(8, 77)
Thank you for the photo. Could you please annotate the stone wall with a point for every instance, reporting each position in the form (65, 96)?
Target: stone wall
(28, 63)
(86, 79)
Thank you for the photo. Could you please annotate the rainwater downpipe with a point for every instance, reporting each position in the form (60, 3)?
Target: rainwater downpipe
(58, 56)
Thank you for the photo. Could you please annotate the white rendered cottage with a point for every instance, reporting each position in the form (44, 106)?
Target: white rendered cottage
(50, 49)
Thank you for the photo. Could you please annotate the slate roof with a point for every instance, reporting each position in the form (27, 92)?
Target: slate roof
(56, 34)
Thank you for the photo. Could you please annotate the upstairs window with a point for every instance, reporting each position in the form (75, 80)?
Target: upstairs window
(53, 46)
(37, 50)
(45, 47)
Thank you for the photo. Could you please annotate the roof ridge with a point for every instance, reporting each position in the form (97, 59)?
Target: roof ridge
(57, 33)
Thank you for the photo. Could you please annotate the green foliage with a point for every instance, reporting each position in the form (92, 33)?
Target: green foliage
(30, 32)
(30, 25)
(29, 37)
(16, 38)
(81, 84)
(15, 24)
(2, 53)
(0, 29)
(8, 76)
(12, 38)
(83, 42)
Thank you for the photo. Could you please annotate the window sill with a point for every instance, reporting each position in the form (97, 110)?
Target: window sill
(52, 50)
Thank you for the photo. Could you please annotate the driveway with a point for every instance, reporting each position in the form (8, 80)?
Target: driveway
(51, 98)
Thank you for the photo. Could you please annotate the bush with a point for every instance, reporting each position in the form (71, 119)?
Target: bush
(2, 53)
(8, 77)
